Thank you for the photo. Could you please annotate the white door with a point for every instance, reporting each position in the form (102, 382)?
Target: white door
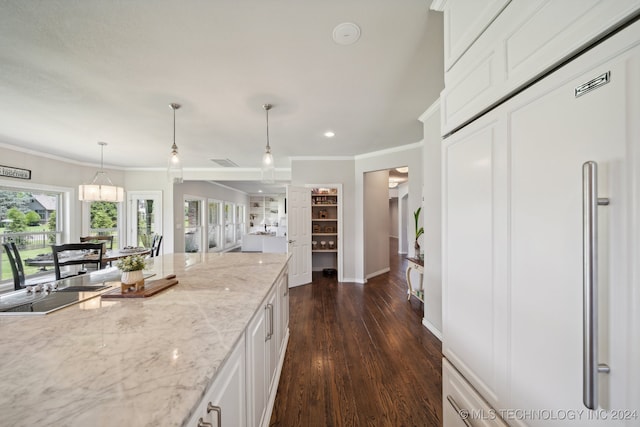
(552, 136)
(144, 213)
(299, 234)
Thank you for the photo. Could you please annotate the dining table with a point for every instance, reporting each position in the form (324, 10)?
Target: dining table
(46, 260)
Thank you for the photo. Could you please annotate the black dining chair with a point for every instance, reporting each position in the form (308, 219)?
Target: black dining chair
(155, 245)
(81, 254)
(15, 261)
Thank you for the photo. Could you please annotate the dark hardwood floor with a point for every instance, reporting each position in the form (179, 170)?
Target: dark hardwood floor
(358, 355)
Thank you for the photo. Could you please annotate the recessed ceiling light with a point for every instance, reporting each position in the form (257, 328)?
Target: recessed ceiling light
(329, 134)
(403, 169)
(259, 191)
(346, 33)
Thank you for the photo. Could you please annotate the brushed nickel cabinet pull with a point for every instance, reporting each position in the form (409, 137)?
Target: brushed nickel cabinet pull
(218, 410)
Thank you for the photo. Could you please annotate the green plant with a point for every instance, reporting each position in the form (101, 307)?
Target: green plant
(131, 263)
(419, 231)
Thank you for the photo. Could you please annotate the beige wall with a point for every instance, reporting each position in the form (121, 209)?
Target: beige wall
(376, 221)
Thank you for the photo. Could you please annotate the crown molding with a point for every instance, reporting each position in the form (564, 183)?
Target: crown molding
(433, 108)
(438, 5)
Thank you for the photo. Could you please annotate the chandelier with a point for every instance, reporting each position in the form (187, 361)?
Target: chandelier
(101, 188)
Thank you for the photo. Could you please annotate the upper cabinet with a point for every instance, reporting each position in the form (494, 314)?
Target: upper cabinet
(494, 48)
(466, 20)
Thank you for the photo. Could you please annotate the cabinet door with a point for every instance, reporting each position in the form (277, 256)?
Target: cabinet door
(227, 393)
(283, 325)
(465, 21)
(257, 364)
(273, 346)
(553, 134)
(227, 396)
(474, 254)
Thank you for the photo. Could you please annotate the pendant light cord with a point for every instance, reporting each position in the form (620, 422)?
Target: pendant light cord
(267, 107)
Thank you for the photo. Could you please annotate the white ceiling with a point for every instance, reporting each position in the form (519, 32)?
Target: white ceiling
(74, 72)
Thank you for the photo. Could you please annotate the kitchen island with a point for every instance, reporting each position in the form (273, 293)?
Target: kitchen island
(141, 362)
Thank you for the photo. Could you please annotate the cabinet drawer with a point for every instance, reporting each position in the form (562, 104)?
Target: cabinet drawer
(462, 405)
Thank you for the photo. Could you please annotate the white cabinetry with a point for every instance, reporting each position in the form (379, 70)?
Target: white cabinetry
(265, 352)
(225, 402)
(244, 390)
(513, 236)
(475, 203)
(525, 40)
(462, 404)
(466, 20)
(265, 213)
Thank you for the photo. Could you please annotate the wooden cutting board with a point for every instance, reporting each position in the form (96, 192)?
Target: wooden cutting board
(151, 287)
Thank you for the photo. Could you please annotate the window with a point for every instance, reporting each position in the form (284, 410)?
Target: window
(145, 211)
(214, 234)
(103, 220)
(32, 218)
(192, 225)
(239, 222)
(229, 228)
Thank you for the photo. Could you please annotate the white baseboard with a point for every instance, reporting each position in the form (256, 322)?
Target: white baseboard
(435, 331)
(377, 273)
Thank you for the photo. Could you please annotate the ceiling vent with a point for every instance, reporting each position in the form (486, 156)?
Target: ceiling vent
(225, 163)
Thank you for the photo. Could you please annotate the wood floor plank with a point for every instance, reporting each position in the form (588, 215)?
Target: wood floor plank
(358, 355)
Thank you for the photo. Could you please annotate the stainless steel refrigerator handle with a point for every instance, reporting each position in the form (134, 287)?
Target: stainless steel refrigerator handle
(590, 202)
(463, 415)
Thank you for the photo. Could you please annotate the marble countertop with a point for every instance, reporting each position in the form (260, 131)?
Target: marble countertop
(133, 362)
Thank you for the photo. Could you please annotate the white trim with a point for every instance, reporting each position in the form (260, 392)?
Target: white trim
(340, 226)
(65, 212)
(315, 158)
(438, 5)
(227, 187)
(433, 108)
(353, 280)
(398, 149)
(379, 272)
(435, 331)
(58, 158)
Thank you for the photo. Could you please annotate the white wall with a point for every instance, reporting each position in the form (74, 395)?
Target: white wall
(334, 171)
(432, 222)
(376, 221)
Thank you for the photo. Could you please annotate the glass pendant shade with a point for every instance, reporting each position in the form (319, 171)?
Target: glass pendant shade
(174, 167)
(268, 168)
(101, 189)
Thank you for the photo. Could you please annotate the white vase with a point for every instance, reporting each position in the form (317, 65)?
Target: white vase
(131, 277)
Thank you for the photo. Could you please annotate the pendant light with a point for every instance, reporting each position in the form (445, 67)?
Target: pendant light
(174, 170)
(101, 188)
(268, 168)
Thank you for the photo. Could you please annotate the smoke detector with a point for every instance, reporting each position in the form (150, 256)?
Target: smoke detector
(346, 33)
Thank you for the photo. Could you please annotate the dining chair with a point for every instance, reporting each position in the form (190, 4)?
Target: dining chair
(155, 245)
(98, 239)
(19, 278)
(81, 254)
